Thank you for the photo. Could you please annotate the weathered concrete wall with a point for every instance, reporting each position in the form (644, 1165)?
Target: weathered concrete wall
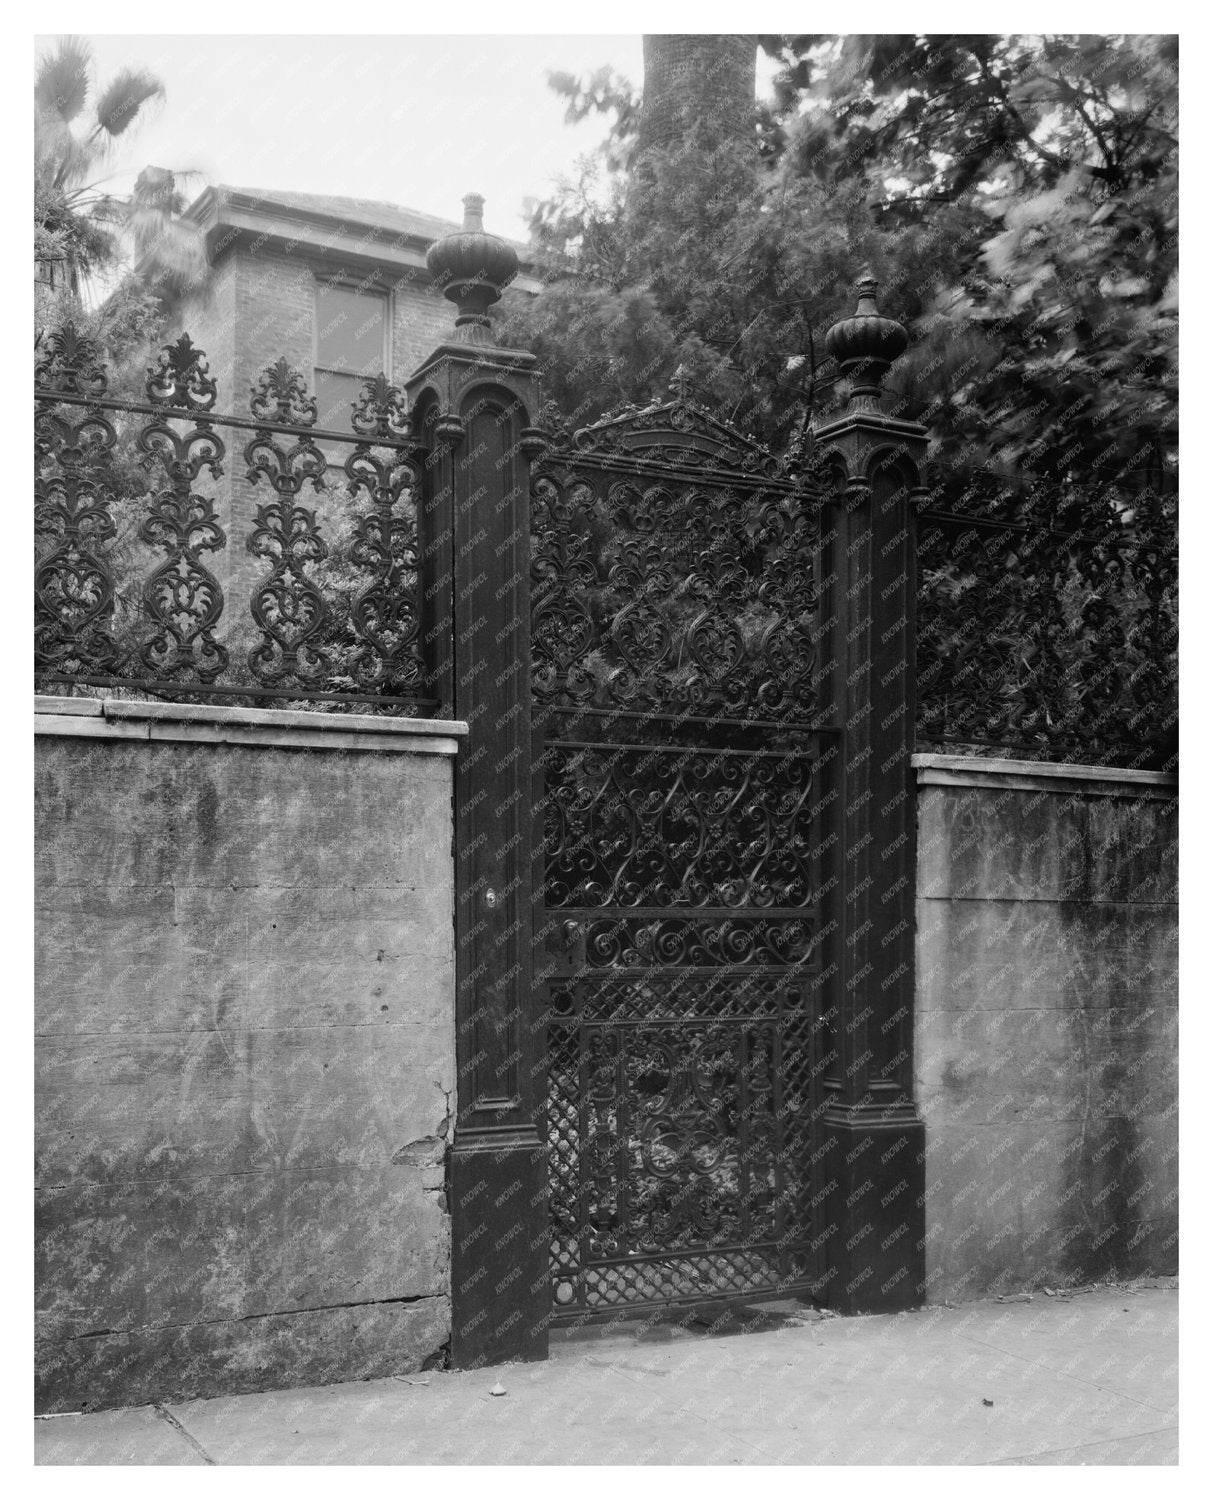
(1046, 1030)
(244, 1049)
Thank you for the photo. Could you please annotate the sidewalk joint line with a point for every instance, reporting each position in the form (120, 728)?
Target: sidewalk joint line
(1039, 1364)
(185, 1433)
(1019, 1458)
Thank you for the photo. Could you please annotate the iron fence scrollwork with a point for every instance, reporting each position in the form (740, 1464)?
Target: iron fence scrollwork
(73, 584)
(333, 620)
(182, 597)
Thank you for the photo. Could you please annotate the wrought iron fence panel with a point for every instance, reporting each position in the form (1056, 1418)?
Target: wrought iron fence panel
(132, 538)
(1047, 626)
(662, 593)
(182, 597)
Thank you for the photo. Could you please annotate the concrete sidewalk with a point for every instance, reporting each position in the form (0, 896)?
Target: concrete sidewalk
(1088, 1378)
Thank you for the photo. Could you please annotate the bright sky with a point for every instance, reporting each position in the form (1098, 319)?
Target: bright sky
(414, 120)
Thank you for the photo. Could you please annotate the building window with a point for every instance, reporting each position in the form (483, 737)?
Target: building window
(351, 343)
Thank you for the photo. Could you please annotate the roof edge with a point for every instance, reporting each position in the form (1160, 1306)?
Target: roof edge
(207, 210)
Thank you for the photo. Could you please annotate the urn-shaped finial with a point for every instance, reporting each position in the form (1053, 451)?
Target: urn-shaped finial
(473, 268)
(866, 344)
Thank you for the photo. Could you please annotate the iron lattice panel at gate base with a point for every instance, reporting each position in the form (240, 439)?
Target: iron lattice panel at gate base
(675, 684)
(680, 1124)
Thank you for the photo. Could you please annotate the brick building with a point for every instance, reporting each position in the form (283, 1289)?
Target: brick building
(336, 286)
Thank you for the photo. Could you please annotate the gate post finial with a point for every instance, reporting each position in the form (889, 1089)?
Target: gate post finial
(866, 345)
(473, 268)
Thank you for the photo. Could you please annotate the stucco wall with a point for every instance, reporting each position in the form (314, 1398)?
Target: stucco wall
(244, 1049)
(1046, 1033)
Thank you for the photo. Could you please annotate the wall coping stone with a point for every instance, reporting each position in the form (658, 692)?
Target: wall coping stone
(209, 723)
(1044, 776)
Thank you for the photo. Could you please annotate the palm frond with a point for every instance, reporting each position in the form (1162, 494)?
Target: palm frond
(52, 136)
(106, 208)
(123, 98)
(61, 157)
(61, 82)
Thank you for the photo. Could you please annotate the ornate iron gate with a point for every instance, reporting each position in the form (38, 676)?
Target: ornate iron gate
(677, 763)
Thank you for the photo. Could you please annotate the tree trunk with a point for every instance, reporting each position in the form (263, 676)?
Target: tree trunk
(698, 103)
(697, 89)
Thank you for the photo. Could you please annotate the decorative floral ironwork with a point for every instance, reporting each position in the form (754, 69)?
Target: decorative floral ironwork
(381, 411)
(280, 398)
(625, 942)
(1152, 583)
(181, 378)
(564, 572)
(678, 434)
(102, 612)
(666, 826)
(672, 595)
(1044, 704)
(675, 590)
(289, 608)
(1047, 625)
(71, 364)
(385, 612)
(183, 597)
(73, 496)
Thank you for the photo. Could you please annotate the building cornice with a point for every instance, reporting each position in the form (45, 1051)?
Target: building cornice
(231, 219)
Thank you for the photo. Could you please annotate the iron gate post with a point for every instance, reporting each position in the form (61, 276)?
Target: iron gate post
(874, 1140)
(471, 401)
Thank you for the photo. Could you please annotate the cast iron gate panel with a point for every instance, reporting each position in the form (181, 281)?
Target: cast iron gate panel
(678, 758)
